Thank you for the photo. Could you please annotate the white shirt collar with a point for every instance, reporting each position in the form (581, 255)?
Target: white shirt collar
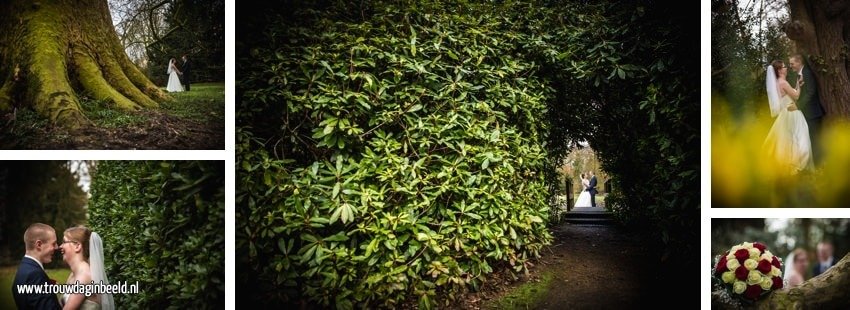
(801, 71)
(827, 262)
(37, 261)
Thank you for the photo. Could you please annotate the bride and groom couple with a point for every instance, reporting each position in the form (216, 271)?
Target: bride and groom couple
(178, 78)
(793, 139)
(81, 248)
(587, 198)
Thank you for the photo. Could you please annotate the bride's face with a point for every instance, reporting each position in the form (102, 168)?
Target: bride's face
(69, 248)
(801, 263)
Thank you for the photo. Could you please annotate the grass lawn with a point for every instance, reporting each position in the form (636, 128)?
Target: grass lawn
(192, 120)
(7, 276)
(600, 198)
(524, 296)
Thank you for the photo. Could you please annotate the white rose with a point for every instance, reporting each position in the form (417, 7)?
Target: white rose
(728, 277)
(766, 283)
(739, 287)
(747, 245)
(754, 277)
(767, 256)
(754, 253)
(735, 249)
(775, 272)
(733, 264)
(751, 264)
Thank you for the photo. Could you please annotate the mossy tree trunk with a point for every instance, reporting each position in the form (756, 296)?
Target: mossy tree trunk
(826, 291)
(821, 30)
(53, 52)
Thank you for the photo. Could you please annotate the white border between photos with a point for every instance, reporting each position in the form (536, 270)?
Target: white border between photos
(705, 151)
(230, 155)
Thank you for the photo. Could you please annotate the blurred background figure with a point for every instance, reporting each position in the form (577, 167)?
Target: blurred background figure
(825, 258)
(795, 268)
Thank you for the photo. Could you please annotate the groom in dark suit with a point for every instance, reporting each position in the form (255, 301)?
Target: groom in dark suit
(40, 240)
(591, 188)
(186, 68)
(825, 259)
(809, 103)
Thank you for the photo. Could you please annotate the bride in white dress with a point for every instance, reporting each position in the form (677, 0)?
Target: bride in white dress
(82, 249)
(583, 200)
(788, 140)
(174, 84)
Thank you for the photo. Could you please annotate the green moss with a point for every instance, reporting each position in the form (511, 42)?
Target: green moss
(91, 78)
(47, 82)
(524, 296)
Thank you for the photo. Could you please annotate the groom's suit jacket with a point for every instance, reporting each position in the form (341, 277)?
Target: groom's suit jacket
(29, 272)
(592, 187)
(809, 102)
(816, 269)
(186, 68)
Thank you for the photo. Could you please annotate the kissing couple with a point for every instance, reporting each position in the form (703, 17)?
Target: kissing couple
(81, 248)
(793, 139)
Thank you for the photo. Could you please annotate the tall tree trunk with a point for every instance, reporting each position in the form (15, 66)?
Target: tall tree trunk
(806, 224)
(821, 30)
(826, 291)
(53, 52)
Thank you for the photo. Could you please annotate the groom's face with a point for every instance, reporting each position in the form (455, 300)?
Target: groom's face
(795, 64)
(46, 247)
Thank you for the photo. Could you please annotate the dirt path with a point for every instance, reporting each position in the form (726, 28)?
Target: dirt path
(159, 131)
(599, 267)
(586, 267)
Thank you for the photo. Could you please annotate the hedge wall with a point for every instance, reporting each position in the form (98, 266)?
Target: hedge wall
(400, 149)
(162, 224)
(411, 159)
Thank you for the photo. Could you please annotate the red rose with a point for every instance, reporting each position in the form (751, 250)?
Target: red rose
(721, 265)
(759, 246)
(752, 292)
(742, 255)
(741, 273)
(777, 283)
(764, 266)
(776, 263)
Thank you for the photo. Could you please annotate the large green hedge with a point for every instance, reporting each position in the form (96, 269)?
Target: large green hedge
(398, 149)
(416, 158)
(162, 224)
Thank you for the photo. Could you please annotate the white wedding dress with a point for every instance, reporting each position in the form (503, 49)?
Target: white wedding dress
(173, 80)
(88, 304)
(788, 140)
(583, 200)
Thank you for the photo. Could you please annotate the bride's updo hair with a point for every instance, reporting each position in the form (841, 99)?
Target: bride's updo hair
(80, 234)
(777, 64)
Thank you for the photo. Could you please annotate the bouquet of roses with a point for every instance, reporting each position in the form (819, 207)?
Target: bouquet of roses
(748, 271)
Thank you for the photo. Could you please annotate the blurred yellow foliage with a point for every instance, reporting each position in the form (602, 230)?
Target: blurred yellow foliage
(744, 175)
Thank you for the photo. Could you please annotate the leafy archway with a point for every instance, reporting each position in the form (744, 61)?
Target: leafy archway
(389, 151)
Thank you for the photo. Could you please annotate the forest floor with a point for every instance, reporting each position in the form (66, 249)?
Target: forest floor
(586, 267)
(194, 120)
